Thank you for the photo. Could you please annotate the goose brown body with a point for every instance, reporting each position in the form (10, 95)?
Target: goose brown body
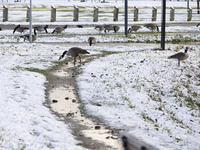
(152, 27)
(99, 27)
(74, 52)
(41, 28)
(26, 36)
(116, 28)
(20, 29)
(134, 28)
(91, 40)
(108, 28)
(180, 56)
(59, 29)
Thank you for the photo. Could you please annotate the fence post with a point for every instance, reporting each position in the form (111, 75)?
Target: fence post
(172, 13)
(136, 11)
(154, 13)
(189, 16)
(5, 13)
(27, 14)
(76, 12)
(116, 12)
(95, 16)
(53, 14)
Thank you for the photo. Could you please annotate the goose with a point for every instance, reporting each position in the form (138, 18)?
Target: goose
(91, 40)
(152, 27)
(74, 52)
(116, 28)
(108, 28)
(20, 29)
(26, 36)
(198, 24)
(41, 28)
(59, 29)
(180, 56)
(99, 27)
(0, 29)
(134, 28)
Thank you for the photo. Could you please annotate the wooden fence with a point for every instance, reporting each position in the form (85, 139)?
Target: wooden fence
(100, 1)
(135, 14)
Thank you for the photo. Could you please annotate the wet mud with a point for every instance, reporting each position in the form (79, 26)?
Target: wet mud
(63, 100)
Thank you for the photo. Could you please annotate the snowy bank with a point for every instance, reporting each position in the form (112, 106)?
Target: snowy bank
(147, 95)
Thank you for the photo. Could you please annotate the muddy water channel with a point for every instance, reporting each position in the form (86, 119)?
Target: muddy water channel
(63, 100)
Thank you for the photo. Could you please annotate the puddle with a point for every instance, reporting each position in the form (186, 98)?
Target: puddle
(63, 101)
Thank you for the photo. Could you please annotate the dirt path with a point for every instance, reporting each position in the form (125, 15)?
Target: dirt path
(63, 100)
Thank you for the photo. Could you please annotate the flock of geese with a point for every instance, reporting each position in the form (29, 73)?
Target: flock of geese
(77, 52)
(38, 29)
(92, 40)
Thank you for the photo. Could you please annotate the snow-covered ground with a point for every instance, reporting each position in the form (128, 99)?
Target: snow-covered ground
(25, 121)
(146, 94)
(139, 89)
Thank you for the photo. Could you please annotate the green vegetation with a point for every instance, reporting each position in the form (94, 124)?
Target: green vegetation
(37, 70)
(73, 101)
(180, 39)
(189, 102)
(147, 118)
(42, 71)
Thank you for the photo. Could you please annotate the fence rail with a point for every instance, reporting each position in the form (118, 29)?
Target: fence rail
(96, 14)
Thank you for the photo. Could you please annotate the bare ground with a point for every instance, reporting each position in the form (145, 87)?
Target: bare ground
(91, 132)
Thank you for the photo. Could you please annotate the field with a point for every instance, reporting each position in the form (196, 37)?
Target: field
(126, 84)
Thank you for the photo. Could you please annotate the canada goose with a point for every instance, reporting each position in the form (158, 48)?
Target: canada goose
(99, 27)
(91, 40)
(74, 52)
(180, 56)
(59, 29)
(26, 36)
(108, 27)
(0, 29)
(20, 29)
(134, 28)
(41, 28)
(198, 24)
(116, 28)
(152, 27)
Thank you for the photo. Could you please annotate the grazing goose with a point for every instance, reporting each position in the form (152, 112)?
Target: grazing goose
(99, 27)
(134, 28)
(152, 27)
(41, 28)
(180, 56)
(20, 29)
(108, 28)
(59, 29)
(91, 40)
(26, 36)
(116, 28)
(74, 52)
